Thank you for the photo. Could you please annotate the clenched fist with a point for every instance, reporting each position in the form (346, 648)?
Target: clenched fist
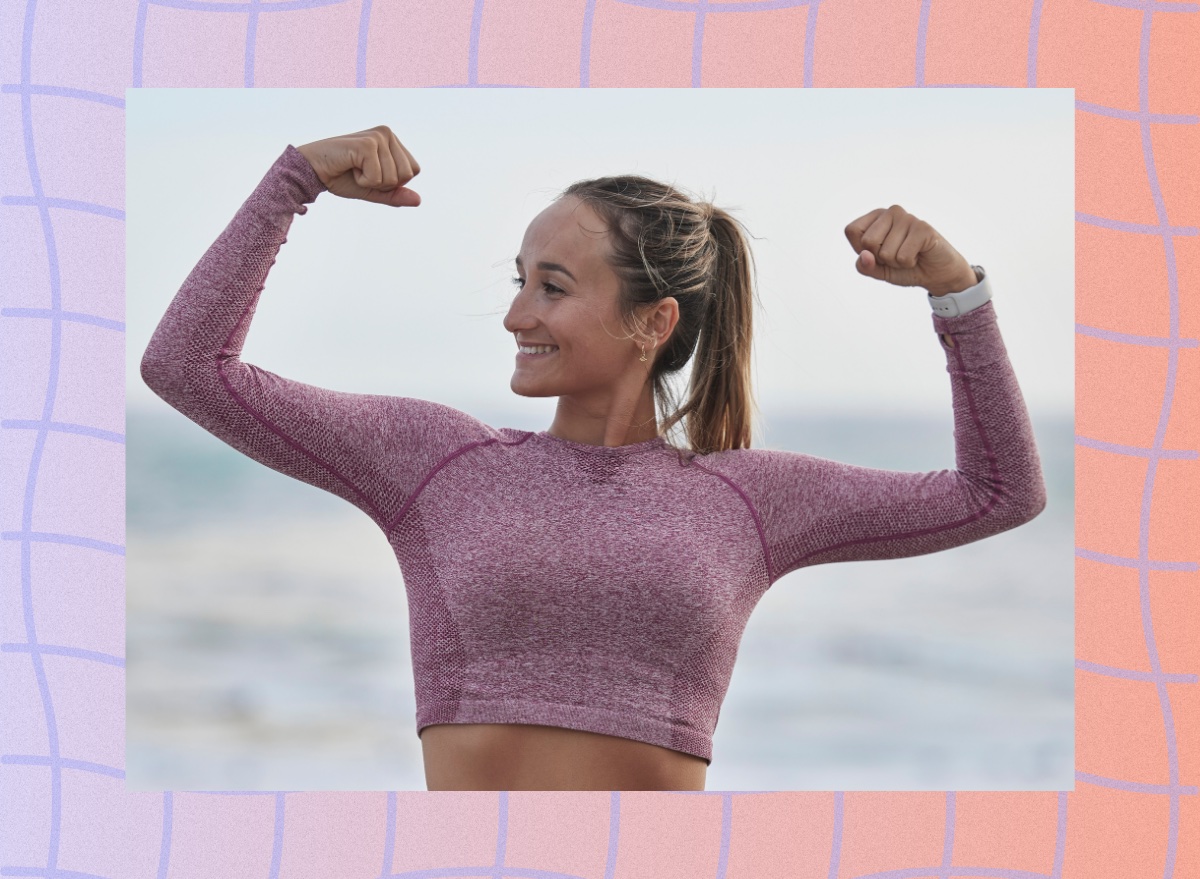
(894, 246)
(372, 165)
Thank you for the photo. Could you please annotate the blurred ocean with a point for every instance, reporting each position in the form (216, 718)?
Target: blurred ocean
(267, 639)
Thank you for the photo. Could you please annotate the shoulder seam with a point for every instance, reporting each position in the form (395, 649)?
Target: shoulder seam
(376, 514)
(762, 536)
(996, 488)
(407, 505)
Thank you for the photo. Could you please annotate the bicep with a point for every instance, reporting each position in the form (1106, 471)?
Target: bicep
(815, 510)
(828, 511)
(372, 450)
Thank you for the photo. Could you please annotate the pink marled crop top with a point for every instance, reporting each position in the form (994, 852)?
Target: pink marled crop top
(551, 582)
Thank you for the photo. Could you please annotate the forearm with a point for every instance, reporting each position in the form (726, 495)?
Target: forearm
(994, 441)
(209, 317)
(969, 278)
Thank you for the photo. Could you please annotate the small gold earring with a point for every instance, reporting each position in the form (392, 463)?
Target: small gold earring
(643, 357)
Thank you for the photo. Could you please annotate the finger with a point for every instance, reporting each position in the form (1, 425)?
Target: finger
(918, 241)
(405, 197)
(876, 233)
(369, 175)
(399, 197)
(896, 236)
(407, 168)
(854, 231)
(404, 163)
(866, 264)
(412, 163)
(389, 173)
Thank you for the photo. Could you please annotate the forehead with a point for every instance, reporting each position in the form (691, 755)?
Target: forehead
(567, 228)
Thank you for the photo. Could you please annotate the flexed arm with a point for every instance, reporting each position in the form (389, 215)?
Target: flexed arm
(369, 449)
(811, 510)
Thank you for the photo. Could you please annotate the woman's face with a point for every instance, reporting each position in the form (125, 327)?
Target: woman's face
(567, 297)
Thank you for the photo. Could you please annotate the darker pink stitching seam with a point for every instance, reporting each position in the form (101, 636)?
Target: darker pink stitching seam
(440, 464)
(983, 511)
(279, 433)
(762, 537)
(224, 357)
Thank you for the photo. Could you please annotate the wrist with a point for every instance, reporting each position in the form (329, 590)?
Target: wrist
(310, 157)
(968, 278)
(952, 304)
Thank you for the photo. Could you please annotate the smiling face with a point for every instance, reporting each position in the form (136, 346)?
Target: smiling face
(567, 296)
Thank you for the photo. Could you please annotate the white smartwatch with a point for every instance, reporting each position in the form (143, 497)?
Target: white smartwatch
(954, 304)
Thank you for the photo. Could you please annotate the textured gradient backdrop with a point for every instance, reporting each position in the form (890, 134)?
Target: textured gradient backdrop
(64, 68)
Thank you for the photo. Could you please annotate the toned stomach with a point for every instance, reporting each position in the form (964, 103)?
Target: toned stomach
(518, 756)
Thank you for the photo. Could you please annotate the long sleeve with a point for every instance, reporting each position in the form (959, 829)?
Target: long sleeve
(369, 449)
(813, 511)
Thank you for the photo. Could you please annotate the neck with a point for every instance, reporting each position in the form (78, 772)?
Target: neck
(607, 428)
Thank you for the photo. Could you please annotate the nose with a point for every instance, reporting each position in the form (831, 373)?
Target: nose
(519, 316)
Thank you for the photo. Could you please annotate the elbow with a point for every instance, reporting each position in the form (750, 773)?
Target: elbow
(1032, 503)
(166, 373)
(1041, 501)
(1009, 504)
(179, 380)
(1034, 510)
(154, 371)
(1012, 506)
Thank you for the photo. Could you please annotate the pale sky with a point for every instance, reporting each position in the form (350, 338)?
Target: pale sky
(409, 301)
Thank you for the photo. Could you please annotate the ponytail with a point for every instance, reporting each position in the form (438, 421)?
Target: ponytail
(720, 400)
(663, 243)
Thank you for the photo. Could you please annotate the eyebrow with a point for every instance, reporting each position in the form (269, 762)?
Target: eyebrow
(551, 267)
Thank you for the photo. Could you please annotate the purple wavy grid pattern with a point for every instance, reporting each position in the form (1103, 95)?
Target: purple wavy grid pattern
(55, 695)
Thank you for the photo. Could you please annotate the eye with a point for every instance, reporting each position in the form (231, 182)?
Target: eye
(550, 288)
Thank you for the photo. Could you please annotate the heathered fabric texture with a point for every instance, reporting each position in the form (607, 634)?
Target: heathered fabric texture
(554, 582)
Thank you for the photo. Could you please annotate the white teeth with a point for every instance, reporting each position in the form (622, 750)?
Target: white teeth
(537, 349)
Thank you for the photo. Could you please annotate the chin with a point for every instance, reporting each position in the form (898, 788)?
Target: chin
(521, 391)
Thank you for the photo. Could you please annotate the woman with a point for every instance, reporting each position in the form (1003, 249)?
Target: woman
(577, 595)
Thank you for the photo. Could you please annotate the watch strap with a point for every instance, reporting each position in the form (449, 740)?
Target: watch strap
(954, 304)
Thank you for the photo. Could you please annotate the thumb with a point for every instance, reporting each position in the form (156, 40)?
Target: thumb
(867, 265)
(399, 197)
(402, 196)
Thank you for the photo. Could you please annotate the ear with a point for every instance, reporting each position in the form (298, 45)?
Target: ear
(664, 318)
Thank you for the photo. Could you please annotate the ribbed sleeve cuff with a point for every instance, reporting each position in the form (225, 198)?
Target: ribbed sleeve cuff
(285, 190)
(303, 174)
(977, 339)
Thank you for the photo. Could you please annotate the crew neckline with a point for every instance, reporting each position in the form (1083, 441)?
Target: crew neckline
(633, 448)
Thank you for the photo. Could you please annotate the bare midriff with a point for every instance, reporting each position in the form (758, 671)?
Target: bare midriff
(518, 756)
